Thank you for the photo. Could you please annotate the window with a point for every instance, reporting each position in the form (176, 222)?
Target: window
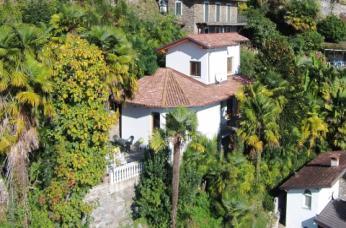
(307, 199)
(178, 8)
(229, 65)
(206, 11)
(156, 120)
(228, 13)
(218, 11)
(195, 68)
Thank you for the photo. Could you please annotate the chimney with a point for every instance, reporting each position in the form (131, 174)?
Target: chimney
(334, 160)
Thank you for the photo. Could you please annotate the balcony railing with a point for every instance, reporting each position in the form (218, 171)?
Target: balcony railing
(125, 172)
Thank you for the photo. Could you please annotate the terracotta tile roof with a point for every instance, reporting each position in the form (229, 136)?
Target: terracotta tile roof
(168, 88)
(318, 173)
(333, 215)
(210, 40)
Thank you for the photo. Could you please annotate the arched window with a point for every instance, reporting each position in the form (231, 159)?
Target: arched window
(307, 198)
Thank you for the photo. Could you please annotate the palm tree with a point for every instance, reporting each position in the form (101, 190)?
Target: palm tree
(24, 96)
(119, 55)
(259, 122)
(180, 123)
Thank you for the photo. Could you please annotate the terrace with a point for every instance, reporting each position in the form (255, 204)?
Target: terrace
(336, 53)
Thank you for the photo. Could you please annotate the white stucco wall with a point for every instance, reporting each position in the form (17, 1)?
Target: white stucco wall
(213, 61)
(297, 215)
(137, 121)
(209, 120)
(179, 57)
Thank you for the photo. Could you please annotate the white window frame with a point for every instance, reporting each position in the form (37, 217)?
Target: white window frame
(204, 11)
(307, 194)
(228, 12)
(181, 8)
(217, 4)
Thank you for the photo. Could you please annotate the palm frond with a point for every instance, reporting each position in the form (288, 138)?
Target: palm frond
(28, 97)
(19, 79)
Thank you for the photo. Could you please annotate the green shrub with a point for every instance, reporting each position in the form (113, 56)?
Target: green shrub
(259, 28)
(201, 215)
(37, 11)
(248, 63)
(307, 41)
(332, 28)
(301, 14)
(152, 200)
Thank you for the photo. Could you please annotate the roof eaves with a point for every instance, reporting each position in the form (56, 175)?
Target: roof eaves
(164, 48)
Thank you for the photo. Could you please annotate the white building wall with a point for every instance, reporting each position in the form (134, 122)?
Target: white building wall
(137, 121)
(209, 120)
(326, 195)
(297, 215)
(179, 57)
(234, 51)
(213, 61)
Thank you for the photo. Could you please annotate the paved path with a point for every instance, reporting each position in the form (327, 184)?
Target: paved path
(113, 204)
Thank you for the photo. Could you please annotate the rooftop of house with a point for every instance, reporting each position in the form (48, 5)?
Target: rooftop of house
(318, 173)
(168, 88)
(333, 215)
(209, 40)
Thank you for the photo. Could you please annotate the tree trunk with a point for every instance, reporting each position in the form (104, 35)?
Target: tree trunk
(258, 164)
(17, 172)
(175, 179)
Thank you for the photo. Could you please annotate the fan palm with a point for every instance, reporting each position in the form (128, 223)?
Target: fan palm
(259, 122)
(181, 123)
(119, 55)
(24, 95)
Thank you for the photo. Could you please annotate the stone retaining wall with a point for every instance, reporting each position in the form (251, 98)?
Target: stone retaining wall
(327, 8)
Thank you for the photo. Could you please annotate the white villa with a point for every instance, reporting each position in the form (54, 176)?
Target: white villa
(316, 194)
(200, 73)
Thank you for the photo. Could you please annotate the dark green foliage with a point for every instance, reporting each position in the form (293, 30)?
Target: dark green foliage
(306, 42)
(249, 61)
(276, 51)
(152, 200)
(146, 33)
(308, 8)
(332, 28)
(301, 15)
(259, 28)
(38, 11)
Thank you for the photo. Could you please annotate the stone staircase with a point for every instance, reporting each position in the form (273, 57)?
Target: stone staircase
(112, 204)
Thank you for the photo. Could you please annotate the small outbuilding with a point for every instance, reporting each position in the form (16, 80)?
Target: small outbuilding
(315, 194)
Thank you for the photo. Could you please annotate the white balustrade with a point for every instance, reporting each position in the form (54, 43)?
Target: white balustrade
(125, 172)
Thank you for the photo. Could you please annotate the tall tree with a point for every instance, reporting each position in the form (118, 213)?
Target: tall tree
(24, 98)
(259, 122)
(181, 123)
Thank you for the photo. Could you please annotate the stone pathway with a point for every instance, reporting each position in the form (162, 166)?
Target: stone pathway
(113, 204)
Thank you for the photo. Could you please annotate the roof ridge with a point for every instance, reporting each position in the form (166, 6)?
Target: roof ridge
(176, 84)
(164, 92)
(189, 77)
